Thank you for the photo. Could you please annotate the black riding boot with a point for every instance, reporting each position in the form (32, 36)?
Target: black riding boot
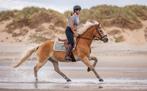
(68, 53)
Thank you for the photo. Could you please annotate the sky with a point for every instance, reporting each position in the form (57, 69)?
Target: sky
(63, 5)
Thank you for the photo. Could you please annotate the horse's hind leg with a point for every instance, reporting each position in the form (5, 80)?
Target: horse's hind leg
(95, 62)
(38, 66)
(56, 68)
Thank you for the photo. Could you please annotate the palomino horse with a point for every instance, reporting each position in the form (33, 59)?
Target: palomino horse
(82, 52)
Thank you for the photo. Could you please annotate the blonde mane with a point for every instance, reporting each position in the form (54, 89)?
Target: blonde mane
(83, 27)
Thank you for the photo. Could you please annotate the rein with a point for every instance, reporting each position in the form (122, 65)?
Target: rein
(84, 38)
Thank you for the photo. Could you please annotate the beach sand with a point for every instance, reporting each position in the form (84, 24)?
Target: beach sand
(123, 68)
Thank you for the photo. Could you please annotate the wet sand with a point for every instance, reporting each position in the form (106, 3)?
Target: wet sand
(123, 68)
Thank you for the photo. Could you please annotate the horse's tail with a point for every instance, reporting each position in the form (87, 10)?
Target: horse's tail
(26, 56)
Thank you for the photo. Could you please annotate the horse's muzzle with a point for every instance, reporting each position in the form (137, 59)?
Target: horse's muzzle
(105, 39)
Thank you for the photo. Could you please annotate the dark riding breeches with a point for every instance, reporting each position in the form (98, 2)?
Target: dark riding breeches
(70, 36)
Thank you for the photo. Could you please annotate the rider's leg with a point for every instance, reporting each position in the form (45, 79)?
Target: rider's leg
(68, 52)
(70, 46)
(70, 38)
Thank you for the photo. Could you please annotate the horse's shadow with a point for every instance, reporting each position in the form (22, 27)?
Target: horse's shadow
(66, 84)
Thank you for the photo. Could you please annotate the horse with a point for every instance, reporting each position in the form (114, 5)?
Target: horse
(82, 51)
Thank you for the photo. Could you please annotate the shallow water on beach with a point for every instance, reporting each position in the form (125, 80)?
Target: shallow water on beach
(130, 78)
(121, 71)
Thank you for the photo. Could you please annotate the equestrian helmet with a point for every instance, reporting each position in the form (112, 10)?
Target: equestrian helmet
(76, 7)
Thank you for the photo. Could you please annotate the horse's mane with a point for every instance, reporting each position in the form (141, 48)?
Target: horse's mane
(83, 27)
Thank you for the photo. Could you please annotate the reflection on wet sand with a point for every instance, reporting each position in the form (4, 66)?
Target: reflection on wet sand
(121, 71)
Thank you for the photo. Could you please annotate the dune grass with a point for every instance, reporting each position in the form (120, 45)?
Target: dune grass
(33, 17)
(128, 17)
(123, 17)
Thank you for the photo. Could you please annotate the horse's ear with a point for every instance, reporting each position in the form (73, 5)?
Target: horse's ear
(99, 24)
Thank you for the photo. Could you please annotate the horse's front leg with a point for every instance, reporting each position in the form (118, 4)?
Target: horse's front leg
(95, 61)
(88, 64)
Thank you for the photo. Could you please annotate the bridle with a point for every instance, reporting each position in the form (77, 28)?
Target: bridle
(101, 36)
(95, 37)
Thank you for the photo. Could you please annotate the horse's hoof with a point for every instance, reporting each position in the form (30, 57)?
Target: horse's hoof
(36, 79)
(88, 69)
(68, 80)
(101, 80)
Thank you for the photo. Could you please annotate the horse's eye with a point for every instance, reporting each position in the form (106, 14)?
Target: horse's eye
(100, 30)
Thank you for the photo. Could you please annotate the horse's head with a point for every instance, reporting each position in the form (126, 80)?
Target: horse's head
(99, 34)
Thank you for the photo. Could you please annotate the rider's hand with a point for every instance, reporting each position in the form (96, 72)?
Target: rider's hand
(76, 34)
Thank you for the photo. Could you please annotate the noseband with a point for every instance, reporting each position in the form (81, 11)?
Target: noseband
(101, 36)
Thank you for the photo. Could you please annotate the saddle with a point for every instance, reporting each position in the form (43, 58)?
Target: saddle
(61, 45)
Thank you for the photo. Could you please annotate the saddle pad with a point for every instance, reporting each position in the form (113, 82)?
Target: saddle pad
(59, 46)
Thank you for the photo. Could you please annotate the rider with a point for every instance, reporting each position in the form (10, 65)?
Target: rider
(71, 30)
